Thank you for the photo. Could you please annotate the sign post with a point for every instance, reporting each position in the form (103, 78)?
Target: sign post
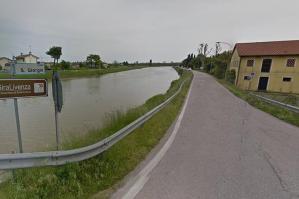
(58, 102)
(17, 118)
(19, 88)
(18, 125)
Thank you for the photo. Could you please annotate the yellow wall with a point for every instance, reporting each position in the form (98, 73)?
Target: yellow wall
(276, 74)
(234, 63)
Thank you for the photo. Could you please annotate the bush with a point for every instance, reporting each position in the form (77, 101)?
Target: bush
(64, 65)
(220, 69)
(230, 76)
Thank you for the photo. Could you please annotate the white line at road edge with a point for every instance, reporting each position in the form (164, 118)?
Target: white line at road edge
(143, 175)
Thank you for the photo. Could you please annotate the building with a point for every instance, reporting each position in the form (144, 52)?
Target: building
(28, 58)
(27, 64)
(4, 61)
(267, 66)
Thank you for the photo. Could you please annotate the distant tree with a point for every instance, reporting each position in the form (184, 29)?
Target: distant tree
(94, 61)
(126, 63)
(196, 62)
(115, 63)
(82, 65)
(65, 65)
(55, 52)
(187, 62)
(151, 62)
(219, 64)
(217, 48)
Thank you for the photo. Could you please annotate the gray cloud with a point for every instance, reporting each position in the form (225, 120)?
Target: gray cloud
(140, 29)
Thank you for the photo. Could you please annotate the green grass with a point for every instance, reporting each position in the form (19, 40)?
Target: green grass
(83, 179)
(276, 111)
(75, 73)
(288, 98)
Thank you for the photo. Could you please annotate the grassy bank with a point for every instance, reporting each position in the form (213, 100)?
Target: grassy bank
(288, 98)
(281, 113)
(75, 73)
(81, 180)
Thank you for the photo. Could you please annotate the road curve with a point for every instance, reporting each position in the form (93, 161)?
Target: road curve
(225, 149)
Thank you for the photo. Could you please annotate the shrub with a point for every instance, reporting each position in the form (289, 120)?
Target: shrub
(230, 76)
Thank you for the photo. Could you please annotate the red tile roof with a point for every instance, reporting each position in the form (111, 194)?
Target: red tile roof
(268, 48)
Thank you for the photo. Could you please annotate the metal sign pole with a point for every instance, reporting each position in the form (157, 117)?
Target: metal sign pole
(58, 102)
(18, 125)
(17, 116)
(57, 126)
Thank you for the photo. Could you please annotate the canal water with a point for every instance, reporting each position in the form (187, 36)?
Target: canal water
(87, 103)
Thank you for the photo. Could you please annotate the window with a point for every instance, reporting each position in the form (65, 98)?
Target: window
(250, 62)
(246, 77)
(287, 79)
(291, 62)
(266, 66)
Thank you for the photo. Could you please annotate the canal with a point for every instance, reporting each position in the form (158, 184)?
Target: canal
(88, 102)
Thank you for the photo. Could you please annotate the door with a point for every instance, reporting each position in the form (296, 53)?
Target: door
(263, 83)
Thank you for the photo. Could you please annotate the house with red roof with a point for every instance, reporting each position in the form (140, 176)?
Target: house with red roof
(267, 66)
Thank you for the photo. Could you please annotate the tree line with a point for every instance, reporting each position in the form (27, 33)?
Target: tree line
(216, 64)
(92, 60)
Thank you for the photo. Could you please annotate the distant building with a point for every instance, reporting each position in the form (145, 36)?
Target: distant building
(267, 66)
(4, 62)
(27, 64)
(28, 58)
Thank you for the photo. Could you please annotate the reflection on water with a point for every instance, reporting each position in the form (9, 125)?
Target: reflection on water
(86, 102)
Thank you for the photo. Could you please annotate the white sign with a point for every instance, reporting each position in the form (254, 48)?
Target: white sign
(29, 68)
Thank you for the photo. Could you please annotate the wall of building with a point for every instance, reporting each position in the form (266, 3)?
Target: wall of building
(276, 74)
(3, 62)
(28, 59)
(234, 63)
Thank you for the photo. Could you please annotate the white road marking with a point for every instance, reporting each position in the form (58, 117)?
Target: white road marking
(143, 175)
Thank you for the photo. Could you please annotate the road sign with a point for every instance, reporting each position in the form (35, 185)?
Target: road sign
(58, 102)
(57, 91)
(19, 88)
(28, 68)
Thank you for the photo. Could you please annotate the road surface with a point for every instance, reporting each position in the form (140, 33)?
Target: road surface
(223, 148)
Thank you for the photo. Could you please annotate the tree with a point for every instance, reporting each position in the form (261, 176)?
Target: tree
(55, 52)
(218, 64)
(196, 62)
(65, 65)
(94, 61)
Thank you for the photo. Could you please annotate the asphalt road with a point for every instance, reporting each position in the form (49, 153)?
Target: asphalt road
(224, 149)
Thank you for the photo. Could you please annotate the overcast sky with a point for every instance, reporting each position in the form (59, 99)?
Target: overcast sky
(162, 30)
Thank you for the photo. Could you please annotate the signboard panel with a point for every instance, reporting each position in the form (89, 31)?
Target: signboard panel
(18, 88)
(28, 68)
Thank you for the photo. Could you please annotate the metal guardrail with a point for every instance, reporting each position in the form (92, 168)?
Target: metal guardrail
(283, 105)
(55, 158)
